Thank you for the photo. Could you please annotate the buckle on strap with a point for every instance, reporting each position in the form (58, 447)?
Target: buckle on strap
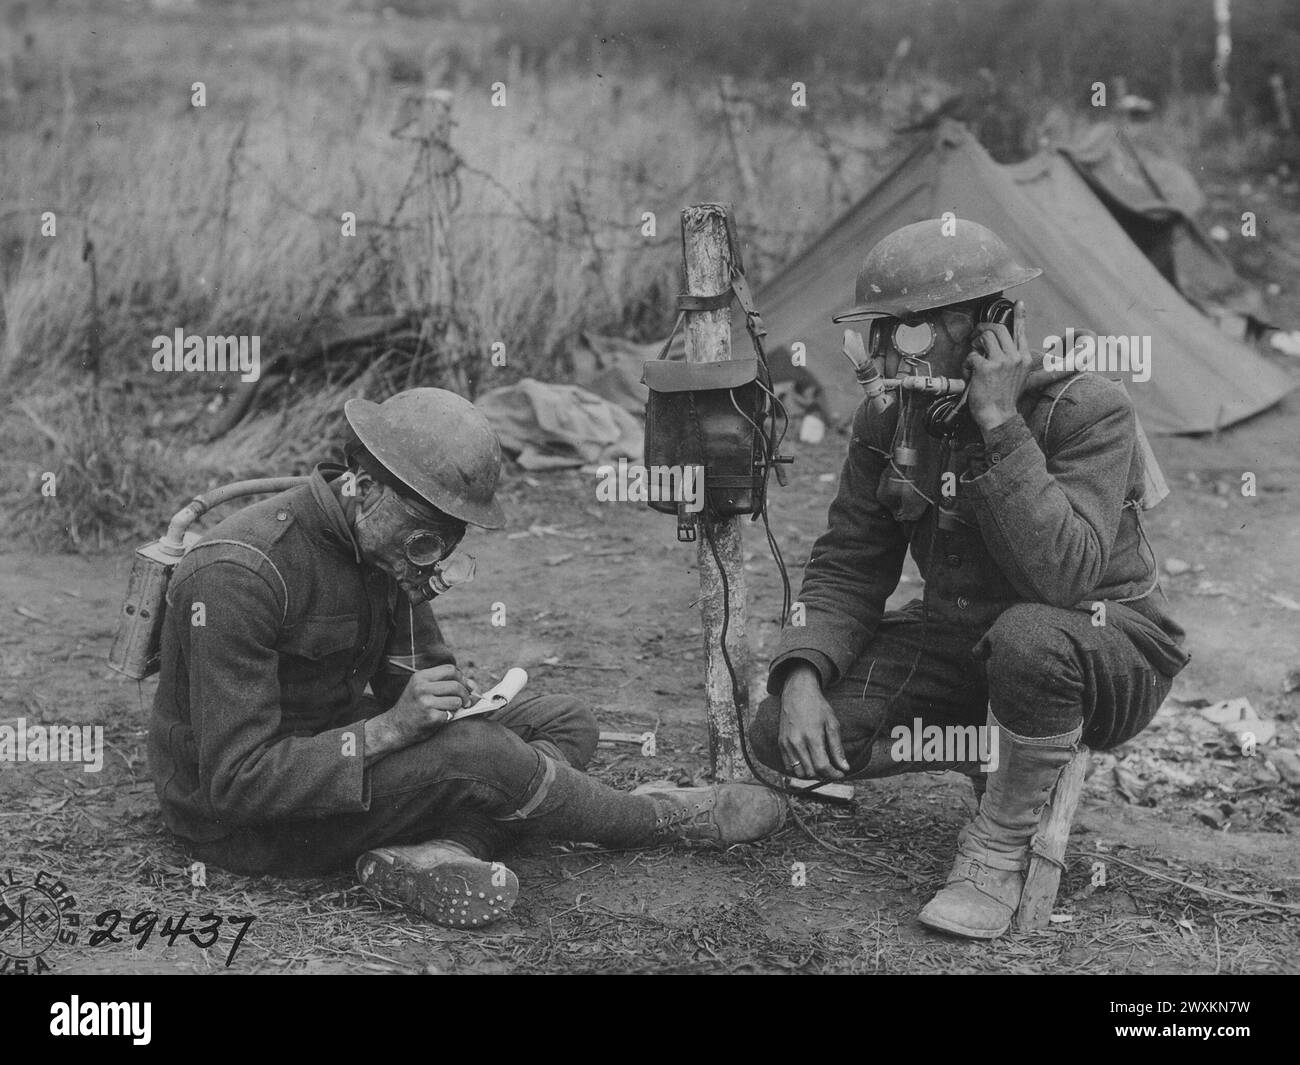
(754, 321)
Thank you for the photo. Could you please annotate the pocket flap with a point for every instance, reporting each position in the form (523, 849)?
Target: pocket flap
(665, 376)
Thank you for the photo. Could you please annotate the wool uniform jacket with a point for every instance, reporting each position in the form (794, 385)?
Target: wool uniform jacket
(1050, 513)
(274, 628)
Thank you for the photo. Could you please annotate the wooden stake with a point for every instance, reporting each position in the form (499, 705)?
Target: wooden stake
(426, 119)
(1044, 875)
(1222, 54)
(1277, 83)
(708, 339)
(439, 161)
(736, 137)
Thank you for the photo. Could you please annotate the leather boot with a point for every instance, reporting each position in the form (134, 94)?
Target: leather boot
(729, 813)
(979, 783)
(577, 807)
(441, 880)
(983, 889)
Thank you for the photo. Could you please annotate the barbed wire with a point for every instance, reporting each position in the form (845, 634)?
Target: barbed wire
(595, 236)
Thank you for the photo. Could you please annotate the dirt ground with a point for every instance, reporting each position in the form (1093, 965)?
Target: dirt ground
(600, 602)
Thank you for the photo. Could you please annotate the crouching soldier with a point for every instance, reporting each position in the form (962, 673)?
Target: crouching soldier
(270, 756)
(1041, 616)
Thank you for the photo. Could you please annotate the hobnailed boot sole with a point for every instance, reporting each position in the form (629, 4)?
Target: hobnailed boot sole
(457, 892)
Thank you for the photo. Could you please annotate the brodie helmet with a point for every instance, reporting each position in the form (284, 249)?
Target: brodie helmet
(439, 445)
(933, 264)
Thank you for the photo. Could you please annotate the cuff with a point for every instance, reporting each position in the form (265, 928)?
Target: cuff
(1003, 439)
(782, 665)
(1007, 448)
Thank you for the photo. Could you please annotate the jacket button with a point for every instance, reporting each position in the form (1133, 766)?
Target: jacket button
(962, 602)
(954, 560)
(281, 515)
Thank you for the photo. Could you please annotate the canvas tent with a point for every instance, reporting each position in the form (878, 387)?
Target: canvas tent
(1094, 277)
(1156, 202)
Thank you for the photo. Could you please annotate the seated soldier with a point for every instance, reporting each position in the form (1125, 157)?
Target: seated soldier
(269, 755)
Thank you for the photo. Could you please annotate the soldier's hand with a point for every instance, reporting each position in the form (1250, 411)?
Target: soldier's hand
(997, 370)
(431, 697)
(425, 705)
(809, 736)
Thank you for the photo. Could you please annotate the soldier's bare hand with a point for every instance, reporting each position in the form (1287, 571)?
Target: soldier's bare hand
(426, 704)
(997, 370)
(809, 736)
(431, 697)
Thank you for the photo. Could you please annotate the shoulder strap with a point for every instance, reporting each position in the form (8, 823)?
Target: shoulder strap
(267, 558)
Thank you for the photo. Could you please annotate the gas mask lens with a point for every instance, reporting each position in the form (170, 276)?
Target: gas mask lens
(424, 550)
(913, 340)
(920, 337)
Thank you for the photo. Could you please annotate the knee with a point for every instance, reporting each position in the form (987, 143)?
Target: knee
(565, 723)
(1029, 644)
(763, 733)
(581, 731)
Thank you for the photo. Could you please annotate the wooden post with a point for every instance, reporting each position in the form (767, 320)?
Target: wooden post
(707, 256)
(92, 344)
(1222, 53)
(901, 51)
(1044, 874)
(1277, 83)
(736, 137)
(426, 119)
(431, 128)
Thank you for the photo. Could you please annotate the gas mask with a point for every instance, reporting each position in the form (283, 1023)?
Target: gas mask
(427, 550)
(906, 362)
(918, 353)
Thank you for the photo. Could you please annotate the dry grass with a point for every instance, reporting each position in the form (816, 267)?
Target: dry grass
(226, 220)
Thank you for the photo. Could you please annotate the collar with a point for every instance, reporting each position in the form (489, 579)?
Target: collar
(334, 526)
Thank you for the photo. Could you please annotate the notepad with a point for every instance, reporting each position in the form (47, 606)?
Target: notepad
(510, 686)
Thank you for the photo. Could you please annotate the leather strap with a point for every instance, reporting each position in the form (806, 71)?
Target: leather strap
(687, 302)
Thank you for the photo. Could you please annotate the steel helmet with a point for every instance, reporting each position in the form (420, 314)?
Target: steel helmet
(439, 445)
(933, 264)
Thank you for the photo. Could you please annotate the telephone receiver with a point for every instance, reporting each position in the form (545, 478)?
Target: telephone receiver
(947, 418)
(1000, 311)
